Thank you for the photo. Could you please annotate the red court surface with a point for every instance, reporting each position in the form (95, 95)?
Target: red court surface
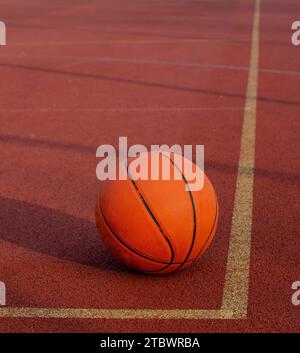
(75, 75)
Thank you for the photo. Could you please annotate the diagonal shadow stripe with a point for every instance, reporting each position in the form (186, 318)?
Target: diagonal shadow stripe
(150, 84)
(105, 59)
(281, 176)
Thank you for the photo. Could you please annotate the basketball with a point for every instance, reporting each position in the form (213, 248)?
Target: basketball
(157, 226)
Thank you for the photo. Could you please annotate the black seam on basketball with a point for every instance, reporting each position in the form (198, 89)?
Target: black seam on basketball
(214, 223)
(135, 251)
(194, 215)
(212, 228)
(154, 219)
(127, 245)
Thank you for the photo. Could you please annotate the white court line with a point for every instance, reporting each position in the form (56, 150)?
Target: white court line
(121, 110)
(101, 59)
(133, 41)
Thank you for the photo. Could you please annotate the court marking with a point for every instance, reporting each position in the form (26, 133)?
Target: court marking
(134, 41)
(121, 110)
(235, 294)
(109, 60)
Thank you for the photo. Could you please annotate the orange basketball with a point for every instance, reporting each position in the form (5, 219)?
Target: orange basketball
(156, 226)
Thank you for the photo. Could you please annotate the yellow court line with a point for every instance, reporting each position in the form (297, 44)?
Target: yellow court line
(235, 295)
(74, 313)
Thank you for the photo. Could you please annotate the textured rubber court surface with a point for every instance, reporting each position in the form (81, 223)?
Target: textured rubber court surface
(78, 74)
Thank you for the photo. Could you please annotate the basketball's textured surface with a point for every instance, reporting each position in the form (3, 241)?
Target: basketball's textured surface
(156, 226)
